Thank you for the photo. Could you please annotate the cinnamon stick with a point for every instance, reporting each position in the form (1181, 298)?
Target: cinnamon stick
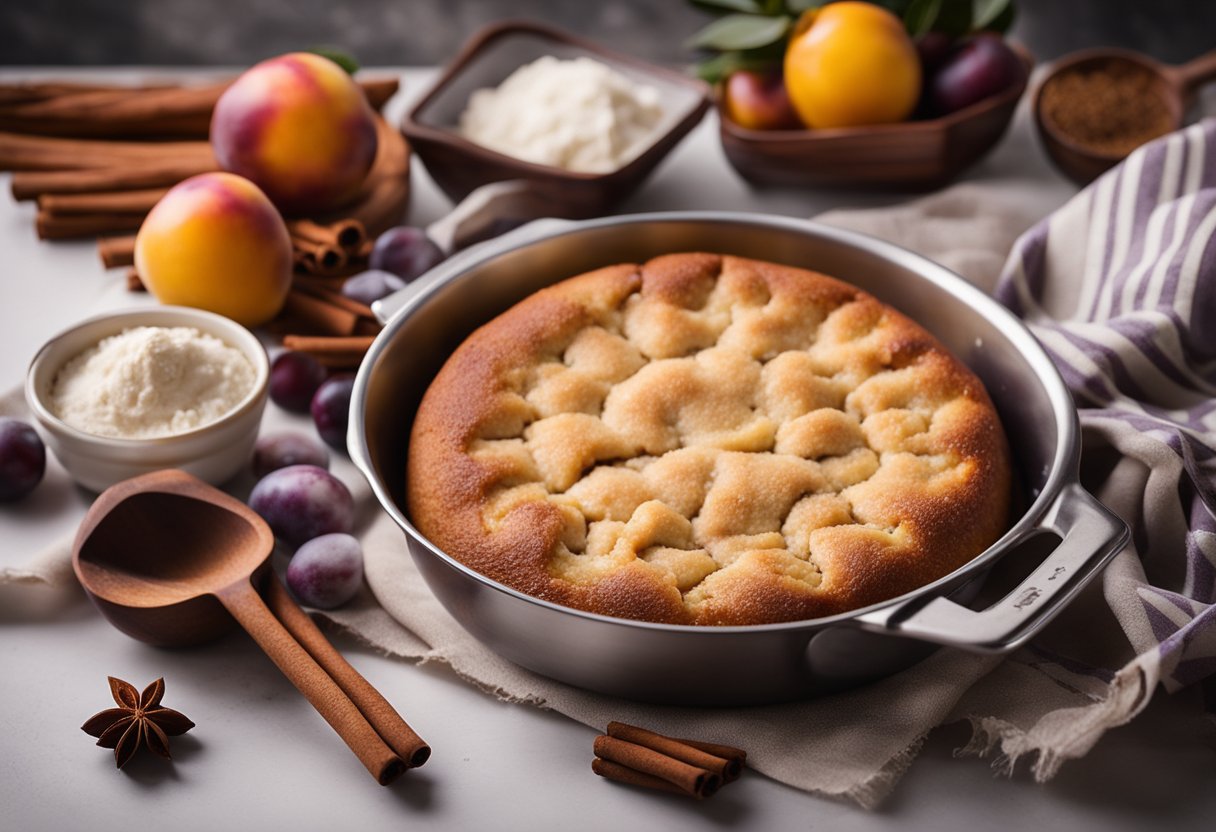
(346, 234)
(135, 112)
(116, 202)
(333, 352)
(23, 92)
(134, 283)
(317, 316)
(726, 768)
(331, 295)
(60, 227)
(689, 778)
(41, 153)
(382, 716)
(117, 251)
(728, 752)
(32, 184)
(327, 257)
(623, 774)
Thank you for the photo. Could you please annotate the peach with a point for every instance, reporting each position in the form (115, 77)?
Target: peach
(216, 242)
(300, 128)
(850, 64)
(758, 101)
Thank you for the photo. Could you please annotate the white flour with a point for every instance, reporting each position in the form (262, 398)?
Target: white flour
(578, 115)
(151, 381)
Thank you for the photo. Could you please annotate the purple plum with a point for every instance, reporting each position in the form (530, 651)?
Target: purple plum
(405, 251)
(327, 571)
(301, 502)
(285, 448)
(22, 460)
(294, 378)
(983, 66)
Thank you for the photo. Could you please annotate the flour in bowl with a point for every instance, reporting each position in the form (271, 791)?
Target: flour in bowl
(151, 381)
(579, 115)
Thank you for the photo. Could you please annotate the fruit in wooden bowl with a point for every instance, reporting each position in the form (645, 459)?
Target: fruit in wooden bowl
(215, 242)
(300, 128)
(883, 102)
(849, 64)
(758, 101)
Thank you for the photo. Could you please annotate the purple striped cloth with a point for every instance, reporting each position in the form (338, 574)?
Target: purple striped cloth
(1120, 287)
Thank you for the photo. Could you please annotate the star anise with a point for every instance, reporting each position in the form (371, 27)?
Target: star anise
(137, 719)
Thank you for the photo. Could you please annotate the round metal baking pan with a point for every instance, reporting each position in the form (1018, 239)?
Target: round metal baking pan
(762, 663)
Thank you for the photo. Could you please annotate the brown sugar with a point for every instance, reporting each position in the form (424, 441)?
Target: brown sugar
(1111, 108)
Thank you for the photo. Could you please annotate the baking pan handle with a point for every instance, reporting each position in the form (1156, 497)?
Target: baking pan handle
(1090, 536)
(498, 208)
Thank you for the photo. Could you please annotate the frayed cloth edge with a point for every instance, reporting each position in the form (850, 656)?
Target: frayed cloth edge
(1050, 745)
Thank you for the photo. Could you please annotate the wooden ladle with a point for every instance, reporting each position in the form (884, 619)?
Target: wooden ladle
(1175, 86)
(171, 561)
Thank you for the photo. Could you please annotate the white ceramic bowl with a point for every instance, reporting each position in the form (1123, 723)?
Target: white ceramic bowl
(214, 452)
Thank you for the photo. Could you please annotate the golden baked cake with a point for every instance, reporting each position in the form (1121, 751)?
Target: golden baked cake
(705, 439)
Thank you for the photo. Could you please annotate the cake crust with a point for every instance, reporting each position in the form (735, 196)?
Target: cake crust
(705, 439)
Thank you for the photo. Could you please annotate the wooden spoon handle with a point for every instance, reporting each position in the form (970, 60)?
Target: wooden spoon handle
(1193, 74)
(375, 708)
(248, 609)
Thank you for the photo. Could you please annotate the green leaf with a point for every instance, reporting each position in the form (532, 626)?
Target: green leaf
(1003, 22)
(921, 15)
(749, 6)
(342, 59)
(721, 66)
(740, 31)
(986, 12)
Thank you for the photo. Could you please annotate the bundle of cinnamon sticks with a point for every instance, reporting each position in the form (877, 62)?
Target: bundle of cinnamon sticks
(59, 139)
(638, 757)
(96, 159)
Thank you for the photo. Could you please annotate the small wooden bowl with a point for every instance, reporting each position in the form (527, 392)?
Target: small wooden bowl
(911, 155)
(1175, 86)
(458, 165)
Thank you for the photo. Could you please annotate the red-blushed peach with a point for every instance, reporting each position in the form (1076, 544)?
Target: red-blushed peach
(300, 128)
(216, 242)
(758, 101)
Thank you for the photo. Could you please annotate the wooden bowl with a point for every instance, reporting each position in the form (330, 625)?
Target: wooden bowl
(1082, 164)
(910, 155)
(458, 165)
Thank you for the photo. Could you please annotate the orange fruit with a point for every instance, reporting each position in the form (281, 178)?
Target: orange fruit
(849, 64)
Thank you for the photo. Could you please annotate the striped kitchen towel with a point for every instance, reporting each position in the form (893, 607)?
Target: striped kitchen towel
(1120, 287)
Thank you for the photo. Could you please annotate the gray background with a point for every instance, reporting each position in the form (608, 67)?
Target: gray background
(421, 32)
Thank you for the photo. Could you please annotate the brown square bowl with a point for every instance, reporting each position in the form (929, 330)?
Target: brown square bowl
(911, 155)
(458, 165)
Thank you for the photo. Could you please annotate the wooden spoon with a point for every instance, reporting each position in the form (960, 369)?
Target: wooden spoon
(171, 561)
(1176, 87)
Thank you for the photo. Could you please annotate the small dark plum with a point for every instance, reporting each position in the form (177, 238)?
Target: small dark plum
(294, 379)
(285, 448)
(369, 286)
(301, 502)
(22, 459)
(405, 251)
(983, 66)
(331, 410)
(327, 571)
(934, 49)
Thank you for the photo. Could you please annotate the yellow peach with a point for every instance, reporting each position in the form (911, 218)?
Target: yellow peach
(849, 64)
(216, 242)
(300, 128)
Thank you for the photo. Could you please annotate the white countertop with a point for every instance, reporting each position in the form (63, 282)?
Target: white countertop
(260, 758)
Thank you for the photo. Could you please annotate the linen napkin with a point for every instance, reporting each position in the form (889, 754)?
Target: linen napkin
(1113, 285)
